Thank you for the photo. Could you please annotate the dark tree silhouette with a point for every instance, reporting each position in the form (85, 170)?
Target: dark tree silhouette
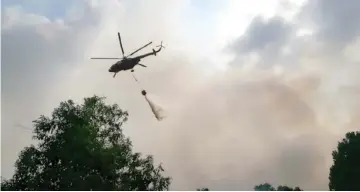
(82, 147)
(203, 189)
(264, 187)
(286, 188)
(268, 187)
(345, 172)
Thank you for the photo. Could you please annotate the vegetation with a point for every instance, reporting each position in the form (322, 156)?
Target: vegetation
(268, 187)
(345, 172)
(82, 147)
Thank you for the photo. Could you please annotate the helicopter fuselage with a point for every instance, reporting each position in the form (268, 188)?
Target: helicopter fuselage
(129, 63)
(124, 64)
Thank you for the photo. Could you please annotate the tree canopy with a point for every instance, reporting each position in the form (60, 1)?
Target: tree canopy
(264, 187)
(268, 187)
(82, 147)
(345, 172)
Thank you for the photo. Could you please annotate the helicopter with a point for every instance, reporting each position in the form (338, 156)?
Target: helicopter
(126, 63)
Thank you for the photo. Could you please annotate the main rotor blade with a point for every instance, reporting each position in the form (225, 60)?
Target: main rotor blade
(140, 48)
(104, 58)
(122, 50)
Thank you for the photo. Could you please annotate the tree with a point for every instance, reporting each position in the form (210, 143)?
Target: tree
(5, 185)
(268, 187)
(345, 172)
(286, 188)
(203, 189)
(264, 187)
(82, 147)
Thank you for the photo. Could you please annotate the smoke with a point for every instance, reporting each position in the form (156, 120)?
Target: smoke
(231, 130)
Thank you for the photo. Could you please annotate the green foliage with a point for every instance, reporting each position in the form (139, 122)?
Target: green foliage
(345, 172)
(268, 187)
(82, 147)
(6, 185)
(286, 188)
(264, 187)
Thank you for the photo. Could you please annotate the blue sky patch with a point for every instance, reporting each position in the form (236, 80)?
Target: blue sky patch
(51, 9)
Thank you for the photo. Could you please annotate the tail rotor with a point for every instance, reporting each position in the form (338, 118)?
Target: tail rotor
(161, 46)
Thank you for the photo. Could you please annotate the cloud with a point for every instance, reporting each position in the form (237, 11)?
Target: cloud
(273, 116)
(330, 18)
(262, 34)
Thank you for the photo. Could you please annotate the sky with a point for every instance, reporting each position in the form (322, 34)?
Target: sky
(254, 91)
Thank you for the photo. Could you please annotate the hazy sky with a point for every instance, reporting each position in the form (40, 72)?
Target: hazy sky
(254, 91)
